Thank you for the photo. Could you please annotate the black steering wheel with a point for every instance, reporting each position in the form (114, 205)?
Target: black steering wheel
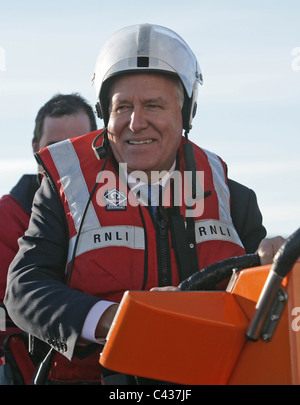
(210, 276)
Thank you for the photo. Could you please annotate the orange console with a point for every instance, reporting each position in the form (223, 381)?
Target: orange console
(199, 337)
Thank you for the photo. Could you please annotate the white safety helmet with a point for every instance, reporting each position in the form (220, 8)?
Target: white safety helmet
(147, 48)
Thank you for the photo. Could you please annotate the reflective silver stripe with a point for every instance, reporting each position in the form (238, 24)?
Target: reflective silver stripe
(213, 229)
(108, 236)
(221, 188)
(222, 229)
(73, 183)
(133, 237)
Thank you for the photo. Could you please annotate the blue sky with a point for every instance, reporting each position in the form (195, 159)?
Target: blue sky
(248, 106)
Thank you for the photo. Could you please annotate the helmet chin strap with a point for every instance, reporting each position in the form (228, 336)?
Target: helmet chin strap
(101, 151)
(186, 135)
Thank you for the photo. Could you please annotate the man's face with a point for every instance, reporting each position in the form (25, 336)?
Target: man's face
(56, 129)
(145, 121)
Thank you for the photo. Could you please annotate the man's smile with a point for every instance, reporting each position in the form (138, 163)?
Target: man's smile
(141, 142)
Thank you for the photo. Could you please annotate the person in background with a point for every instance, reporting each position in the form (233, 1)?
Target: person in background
(62, 117)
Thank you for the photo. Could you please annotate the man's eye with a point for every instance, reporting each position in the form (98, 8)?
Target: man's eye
(121, 108)
(153, 106)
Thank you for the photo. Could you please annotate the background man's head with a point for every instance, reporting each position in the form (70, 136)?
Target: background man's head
(62, 117)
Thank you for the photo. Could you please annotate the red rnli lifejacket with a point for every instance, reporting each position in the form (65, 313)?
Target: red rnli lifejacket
(118, 248)
(118, 243)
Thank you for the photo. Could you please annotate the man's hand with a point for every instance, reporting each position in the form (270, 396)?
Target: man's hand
(268, 248)
(164, 289)
(105, 321)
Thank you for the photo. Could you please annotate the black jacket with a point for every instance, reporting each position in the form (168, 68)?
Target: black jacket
(246, 216)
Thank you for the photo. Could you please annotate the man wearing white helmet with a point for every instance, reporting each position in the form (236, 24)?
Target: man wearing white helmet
(93, 234)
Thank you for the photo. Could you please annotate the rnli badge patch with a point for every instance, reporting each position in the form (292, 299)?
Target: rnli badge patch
(115, 200)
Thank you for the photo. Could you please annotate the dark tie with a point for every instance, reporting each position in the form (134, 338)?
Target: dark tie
(149, 195)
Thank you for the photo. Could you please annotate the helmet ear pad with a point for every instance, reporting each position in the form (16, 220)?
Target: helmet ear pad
(189, 110)
(98, 110)
(102, 104)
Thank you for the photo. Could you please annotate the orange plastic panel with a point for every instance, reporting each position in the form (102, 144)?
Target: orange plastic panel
(199, 337)
(293, 310)
(248, 287)
(182, 337)
(275, 362)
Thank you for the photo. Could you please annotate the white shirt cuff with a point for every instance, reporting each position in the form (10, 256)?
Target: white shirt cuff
(92, 319)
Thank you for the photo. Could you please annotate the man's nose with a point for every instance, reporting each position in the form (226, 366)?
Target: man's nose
(137, 120)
